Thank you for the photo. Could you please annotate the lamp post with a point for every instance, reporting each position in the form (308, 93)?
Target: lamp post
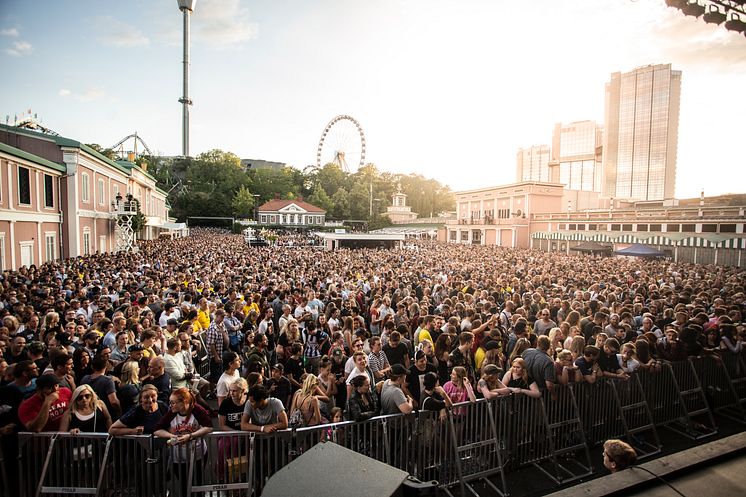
(186, 7)
(256, 206)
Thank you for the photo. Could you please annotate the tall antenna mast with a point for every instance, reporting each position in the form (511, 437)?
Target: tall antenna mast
(186, 7)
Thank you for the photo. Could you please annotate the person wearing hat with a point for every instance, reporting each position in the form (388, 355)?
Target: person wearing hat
(43, 411)
(393, 398)
(278, 385)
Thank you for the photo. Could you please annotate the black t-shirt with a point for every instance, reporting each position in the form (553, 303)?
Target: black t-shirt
(432, 402)
(137, 416)
(396, 354)
(415, 379)
(232, 413)
(294, 368)
(282, 389)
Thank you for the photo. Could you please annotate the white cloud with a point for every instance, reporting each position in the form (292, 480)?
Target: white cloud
(223, 23)
(11, 32)
(90, 95)
(19, 49)
(116, 33)
(64, 92)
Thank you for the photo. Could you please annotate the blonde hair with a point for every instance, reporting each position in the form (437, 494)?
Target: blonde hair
(97, 403)
(309, 384)
(130, 373)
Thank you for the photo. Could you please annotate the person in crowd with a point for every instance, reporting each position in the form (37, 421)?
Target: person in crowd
(262, 413)
(618, 455)
(129, 385)
(43, 411)
(87, 413)
(608, 361)
(413, 385)
(306, 403)
(565, 370)
(377, 359)
(517, 380)
(459, 388)
(489, 385)
(588, 364)
(539, 364)
(393, 398)
(184, 425)
(232, 408)
(157, 376)
(627, 358)
(103, 385)
(232, 365)
(362, 403)
(278, 385)
(61, 365)
(434, 398)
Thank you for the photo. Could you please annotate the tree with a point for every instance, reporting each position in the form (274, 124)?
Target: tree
(106, 152)
(341, 204)
(243, 203)
(331, 178)
(359, 201)
(320, 199)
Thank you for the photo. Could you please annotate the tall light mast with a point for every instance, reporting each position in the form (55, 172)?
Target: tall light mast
(186, 7)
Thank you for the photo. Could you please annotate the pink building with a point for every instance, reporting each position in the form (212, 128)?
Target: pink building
(57, 197)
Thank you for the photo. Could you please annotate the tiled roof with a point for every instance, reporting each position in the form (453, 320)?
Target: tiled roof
(276, 205)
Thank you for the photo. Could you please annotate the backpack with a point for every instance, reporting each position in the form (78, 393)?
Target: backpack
(296, 419)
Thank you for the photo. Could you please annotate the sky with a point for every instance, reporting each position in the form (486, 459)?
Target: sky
(449, 89)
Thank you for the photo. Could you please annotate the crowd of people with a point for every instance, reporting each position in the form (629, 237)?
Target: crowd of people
(296, 336)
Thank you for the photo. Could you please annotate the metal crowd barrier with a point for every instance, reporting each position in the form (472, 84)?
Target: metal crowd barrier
(697, 421)
(720, 389)
(479, 441)
(202, 361)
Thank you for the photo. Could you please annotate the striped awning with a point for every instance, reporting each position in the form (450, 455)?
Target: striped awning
(732, 243)
(694, 241)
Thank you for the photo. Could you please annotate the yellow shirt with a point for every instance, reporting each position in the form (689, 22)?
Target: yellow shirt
(203, 318)
(424, 334)
(479, 356)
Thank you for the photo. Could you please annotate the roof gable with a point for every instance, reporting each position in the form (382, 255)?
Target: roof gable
(289, 206)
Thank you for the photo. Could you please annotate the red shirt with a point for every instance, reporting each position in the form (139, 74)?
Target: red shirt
(30, 408)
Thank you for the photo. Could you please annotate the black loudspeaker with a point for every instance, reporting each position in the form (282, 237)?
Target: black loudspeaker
(330, 470)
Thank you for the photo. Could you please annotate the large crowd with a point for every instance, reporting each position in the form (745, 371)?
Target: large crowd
(297, 336)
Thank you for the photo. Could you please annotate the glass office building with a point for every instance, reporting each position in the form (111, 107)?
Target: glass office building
(576, 156)
(532, 163)
(641, 133)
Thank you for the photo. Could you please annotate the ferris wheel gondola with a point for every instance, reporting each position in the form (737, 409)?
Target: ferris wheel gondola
(342, 143)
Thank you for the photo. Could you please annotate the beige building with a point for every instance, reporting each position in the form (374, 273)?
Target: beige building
(399, 212)
(501, 215)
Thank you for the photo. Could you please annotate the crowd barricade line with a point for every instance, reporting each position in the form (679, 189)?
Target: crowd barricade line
(720, 391)
(636, 416)
(572, 458)
(601, 415)
(474, 441)
(475, 448)
(88, 453)
(202, 361)
(736, 367)
(698, 422)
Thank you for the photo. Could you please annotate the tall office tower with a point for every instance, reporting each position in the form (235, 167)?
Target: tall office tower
(641, 133)
(576, 156)
(532, 164)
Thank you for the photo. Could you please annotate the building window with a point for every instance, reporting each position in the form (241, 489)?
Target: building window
(709, 228)
(592, 227)
(100, 192)
(264, 218)
(673, 228)
(48, 191)
(86, 243)
(273, 219)
(464, 236)
(24, 186)
(50, 246)
(615, 227)
(626, 227)
(572, 227)
(85, 187)
(102, 243)
(688, 228)
(655, 227)
(453, 236)
(727, 228)
(2, 252)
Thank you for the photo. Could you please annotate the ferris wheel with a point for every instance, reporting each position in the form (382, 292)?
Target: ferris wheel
(342, 143)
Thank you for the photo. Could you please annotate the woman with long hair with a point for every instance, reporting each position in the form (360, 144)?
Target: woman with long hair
(232, 365)
(459, 388)
(443, 347)
(306, 403)
(520, 346)
(87, 413)
(129, 385)
(184, 425)
(81, 364)
(577, 345)
(518, 381)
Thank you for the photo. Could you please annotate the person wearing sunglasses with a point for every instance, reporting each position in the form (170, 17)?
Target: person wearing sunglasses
(87, 413)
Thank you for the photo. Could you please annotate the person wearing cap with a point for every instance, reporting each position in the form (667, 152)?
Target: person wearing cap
(393, 398)
(43, 411)
(278, 385)
(413, 386)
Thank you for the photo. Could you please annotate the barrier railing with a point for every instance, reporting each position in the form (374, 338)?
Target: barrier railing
(697, 421)
(474, 441)
(720, 389)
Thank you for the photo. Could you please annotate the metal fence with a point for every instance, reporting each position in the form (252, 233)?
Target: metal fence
(482, 441)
